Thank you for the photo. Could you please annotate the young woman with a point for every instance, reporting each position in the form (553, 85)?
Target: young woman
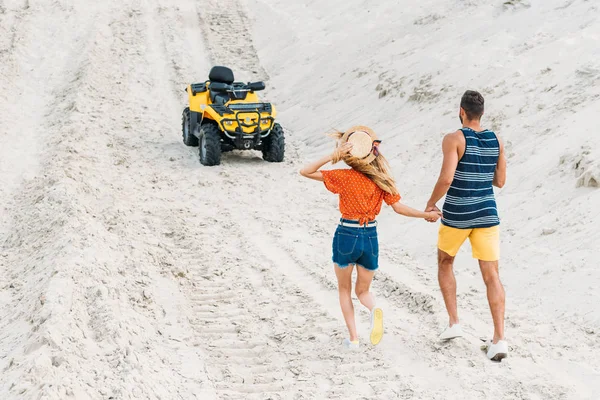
(361, 190)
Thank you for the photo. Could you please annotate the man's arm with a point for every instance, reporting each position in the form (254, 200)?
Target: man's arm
(450, 151)
(500, 173)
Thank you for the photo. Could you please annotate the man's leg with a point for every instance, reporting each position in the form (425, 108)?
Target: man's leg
(447, 283)
(486, 248)
(495, 295)
(449, 242)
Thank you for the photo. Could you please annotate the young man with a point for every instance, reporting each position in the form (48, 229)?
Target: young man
(473, 162)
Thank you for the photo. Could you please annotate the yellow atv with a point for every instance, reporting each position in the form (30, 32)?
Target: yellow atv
(225, 115)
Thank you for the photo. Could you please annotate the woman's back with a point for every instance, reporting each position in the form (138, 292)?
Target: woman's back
(360, 197)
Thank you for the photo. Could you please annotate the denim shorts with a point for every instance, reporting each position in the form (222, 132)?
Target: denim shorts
(358, 246)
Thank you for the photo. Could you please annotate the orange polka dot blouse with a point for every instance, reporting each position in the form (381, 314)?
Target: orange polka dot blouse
(360, 197)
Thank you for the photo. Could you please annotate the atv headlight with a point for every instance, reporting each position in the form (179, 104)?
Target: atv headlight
(265, 121)
(229, 123)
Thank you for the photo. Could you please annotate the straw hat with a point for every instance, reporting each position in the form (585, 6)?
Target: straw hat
(364, 143)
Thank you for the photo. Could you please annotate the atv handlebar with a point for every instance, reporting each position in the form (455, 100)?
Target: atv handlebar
(237, 87)
(220, 87)
(256, 86)
(225, 87)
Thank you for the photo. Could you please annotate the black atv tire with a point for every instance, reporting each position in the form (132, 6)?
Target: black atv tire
(273, 147)
(188, 138)
(209, 150)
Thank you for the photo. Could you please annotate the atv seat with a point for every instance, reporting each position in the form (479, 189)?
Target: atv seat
(221, 75)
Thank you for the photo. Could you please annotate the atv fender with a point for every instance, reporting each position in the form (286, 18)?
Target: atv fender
(197, 118)
(211, 113)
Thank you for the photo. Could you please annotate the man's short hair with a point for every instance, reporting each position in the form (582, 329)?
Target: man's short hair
(472, 103)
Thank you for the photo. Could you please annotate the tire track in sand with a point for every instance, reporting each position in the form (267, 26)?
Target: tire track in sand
(228, 37)
(37, 214)
(225, 299)
(227, 314)
(109, 325)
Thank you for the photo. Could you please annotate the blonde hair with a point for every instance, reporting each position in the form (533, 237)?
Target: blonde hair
(377, 170)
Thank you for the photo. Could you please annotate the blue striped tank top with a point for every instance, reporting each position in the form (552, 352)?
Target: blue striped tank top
(470, 201)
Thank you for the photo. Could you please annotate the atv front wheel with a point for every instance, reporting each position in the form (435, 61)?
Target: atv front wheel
(273, 147)
(188, 138)
(210, 145)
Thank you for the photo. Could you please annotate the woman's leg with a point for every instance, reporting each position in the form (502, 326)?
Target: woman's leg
(344, 276)
(363, 284)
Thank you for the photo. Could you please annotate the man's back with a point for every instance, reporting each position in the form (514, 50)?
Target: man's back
(470, 201)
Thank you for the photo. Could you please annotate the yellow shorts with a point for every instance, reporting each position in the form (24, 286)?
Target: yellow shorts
(485, 242)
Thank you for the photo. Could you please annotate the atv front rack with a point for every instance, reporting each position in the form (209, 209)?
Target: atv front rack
(251, 119)
(260, 107)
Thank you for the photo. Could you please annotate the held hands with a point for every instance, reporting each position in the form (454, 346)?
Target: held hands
(433, 216)
(433, 213)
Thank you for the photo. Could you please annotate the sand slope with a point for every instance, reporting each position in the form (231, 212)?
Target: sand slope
(128, 270)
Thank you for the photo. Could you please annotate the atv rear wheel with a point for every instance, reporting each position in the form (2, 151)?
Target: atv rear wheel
(188, 138)
(210, 145)
(273, 147)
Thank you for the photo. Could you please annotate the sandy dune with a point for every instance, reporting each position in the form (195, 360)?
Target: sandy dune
(129, 271)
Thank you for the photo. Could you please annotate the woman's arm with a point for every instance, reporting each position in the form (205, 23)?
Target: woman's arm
(311, 170)
(402, 209)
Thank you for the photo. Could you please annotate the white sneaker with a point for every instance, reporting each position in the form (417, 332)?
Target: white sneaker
(350, 345)
(452, 332)
(498, 351)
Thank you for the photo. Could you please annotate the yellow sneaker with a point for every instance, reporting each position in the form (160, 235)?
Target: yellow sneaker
(376, 325)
